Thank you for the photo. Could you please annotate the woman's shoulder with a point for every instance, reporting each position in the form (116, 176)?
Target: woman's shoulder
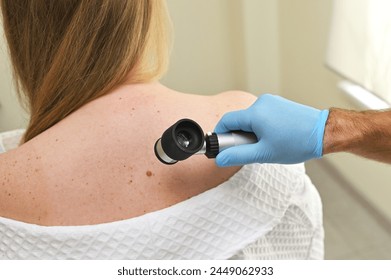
(241, 98)
(210, 108)
(232, 100)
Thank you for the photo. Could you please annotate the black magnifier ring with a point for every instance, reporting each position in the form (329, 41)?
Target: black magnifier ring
(182, 140)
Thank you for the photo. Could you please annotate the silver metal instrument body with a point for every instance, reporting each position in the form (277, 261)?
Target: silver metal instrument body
(230, 139)
(162, 155)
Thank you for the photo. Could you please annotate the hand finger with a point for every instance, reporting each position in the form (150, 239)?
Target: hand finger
(238, 155)
(236, 120)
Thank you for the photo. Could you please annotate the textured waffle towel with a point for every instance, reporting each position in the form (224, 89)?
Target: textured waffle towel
(262, 212)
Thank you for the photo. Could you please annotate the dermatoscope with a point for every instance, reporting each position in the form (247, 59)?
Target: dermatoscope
(186, 138)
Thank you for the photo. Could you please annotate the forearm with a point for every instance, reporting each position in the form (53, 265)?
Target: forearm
(366, 133)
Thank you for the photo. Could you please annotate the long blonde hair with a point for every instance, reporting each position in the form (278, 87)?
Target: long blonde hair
(66, 53)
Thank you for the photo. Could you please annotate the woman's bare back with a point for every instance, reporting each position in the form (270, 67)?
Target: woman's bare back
(98, 164)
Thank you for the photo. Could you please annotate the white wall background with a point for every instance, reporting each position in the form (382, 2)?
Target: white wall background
(259, 46)
(11, 115)
(224, 44)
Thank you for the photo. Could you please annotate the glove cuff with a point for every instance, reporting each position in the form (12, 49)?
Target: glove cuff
(320, 128)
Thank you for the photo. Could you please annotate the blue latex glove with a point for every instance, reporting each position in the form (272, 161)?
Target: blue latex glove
(288, 132)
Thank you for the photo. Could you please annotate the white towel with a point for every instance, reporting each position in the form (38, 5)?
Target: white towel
(262, 212)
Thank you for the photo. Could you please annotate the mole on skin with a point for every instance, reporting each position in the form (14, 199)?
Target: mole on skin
(149, 173)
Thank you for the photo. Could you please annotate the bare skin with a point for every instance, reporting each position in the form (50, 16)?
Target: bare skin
(366, 133)
(98, 164)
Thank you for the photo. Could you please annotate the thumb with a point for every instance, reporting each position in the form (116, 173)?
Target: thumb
(238, 155)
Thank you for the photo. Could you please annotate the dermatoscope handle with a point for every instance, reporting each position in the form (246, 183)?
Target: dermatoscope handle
(215, 143)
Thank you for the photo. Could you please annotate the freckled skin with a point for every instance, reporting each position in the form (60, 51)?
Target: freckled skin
(98, 164)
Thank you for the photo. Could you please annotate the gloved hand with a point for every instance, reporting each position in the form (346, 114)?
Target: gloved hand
(287, 132)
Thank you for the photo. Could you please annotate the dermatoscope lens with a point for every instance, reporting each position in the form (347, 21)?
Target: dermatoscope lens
(180, 141)
(184, 138)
